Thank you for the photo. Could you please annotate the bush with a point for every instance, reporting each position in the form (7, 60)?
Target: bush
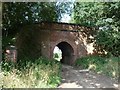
(40, 73)
(108, 40)
(84, 62)
(101, 65)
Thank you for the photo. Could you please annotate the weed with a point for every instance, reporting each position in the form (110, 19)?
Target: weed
(40, 73)
(101, 65)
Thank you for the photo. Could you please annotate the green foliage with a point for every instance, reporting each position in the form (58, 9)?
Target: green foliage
(101, 65)
(85, 61)
(105, 16)
(22, 13)
(6, 41)
(40, 73)
(56, 55)
(108, 41)
(7, 66)
(112, 67)
(18, 14)
(87, 13)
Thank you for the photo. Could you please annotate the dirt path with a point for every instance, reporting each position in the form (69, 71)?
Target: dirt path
(73, 78)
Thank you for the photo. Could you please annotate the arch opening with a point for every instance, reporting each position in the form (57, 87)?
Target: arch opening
(66, 53)
(57, 54)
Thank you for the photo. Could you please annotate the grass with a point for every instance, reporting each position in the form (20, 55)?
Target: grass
(40, 73)
(101, 65)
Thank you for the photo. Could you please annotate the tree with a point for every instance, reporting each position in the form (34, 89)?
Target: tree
(104, 16)
(19, 13)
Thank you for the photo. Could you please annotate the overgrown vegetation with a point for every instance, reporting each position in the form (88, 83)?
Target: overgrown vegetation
(104, 16)
(101, 65)
(17, 14)
(45, 73)
(40, 73)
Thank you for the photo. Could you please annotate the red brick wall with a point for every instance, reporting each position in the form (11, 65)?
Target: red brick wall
(47, 35)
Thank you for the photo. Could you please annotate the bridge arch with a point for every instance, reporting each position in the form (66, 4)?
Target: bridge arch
(68, 52)
(45, 36)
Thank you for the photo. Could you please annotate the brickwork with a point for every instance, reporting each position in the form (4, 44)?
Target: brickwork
(46, 36)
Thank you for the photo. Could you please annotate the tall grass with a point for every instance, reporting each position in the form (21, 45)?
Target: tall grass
(102, 65)
(40, 73)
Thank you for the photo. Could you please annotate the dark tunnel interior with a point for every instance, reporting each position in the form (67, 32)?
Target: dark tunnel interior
(67, 52)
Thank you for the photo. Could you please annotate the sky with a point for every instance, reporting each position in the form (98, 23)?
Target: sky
(66, 18)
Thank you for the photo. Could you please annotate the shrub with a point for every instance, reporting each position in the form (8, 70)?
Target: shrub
(84, 62)
(108, 66)
(40, 73)
(108, 40)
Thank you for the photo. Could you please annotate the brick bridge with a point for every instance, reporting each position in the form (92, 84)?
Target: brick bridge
(41, 38)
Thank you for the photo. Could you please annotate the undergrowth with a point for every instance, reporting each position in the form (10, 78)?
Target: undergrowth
(40, 73)
(101, 65)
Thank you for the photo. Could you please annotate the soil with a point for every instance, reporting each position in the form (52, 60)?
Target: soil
(76, 78)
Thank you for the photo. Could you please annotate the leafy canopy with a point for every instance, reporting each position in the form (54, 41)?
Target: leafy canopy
(105, 16)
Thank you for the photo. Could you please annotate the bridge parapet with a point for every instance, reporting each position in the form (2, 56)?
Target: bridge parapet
(63, 26)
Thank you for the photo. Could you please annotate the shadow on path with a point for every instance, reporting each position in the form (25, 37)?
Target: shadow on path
(75, 78)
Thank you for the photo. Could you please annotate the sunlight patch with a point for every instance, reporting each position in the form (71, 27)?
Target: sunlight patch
(57, 54)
